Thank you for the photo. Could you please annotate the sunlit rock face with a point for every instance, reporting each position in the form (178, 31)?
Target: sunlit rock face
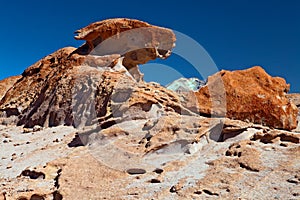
(50, 92)
(136, 41)
(295, 98)
(86, 126)
(250, 95)
(6, 84)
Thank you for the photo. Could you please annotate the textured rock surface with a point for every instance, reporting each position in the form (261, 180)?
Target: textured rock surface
(136, 41)
(126, 34)
(251, 95)
(44, 94)
(295, 98)
(184, 161)
(6, 84)
(137, 140)
(97, 32)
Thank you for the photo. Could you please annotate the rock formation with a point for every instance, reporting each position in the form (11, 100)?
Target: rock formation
(295, 98)
(251, 95)
(78, 126)
(43, 96)
(185, 85)
(136, 41)
(6, 84)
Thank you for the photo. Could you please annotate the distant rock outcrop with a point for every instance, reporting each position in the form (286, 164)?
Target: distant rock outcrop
(185, 85)
(251, 95)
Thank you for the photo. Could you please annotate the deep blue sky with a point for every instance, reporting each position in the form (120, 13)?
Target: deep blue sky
(236, 33)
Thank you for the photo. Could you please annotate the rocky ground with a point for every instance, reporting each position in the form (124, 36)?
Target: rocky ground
(254, 163)
(82, 124)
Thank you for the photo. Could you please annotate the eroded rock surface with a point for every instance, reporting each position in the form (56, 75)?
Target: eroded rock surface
(88, 130)
(295, 98)
(136, 41)
(177, 157)
(250, 95)
(6, 84)
(48, 92)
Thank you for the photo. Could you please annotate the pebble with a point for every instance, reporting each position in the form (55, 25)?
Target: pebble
(135, 171)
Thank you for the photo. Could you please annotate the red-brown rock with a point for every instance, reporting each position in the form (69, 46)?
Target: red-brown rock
(6, 84)
(250, 95)
(144, 35)
(51, 91)
(136, 41)
(42, 96)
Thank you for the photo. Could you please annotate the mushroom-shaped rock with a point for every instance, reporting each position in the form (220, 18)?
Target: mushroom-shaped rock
(136, 41)
(97, 32)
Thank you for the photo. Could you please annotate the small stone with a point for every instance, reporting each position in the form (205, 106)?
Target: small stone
(158, 171)
(135, 171)
(154, 180)
(13, 157)
(37, 128)
(56, 140)
(173, 189)
(27, 130)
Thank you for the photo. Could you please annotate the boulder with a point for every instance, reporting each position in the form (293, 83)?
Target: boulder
(65, 85)
(99, 31)
(136, 41)
(250, 95)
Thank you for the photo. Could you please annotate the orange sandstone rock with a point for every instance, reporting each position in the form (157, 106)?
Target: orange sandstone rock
(250, 95)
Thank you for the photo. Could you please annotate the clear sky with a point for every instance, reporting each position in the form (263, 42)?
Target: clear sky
(236, 33)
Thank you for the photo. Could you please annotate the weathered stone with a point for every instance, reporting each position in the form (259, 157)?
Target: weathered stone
(137, 127)
(250, 95)
(184, 85)
(143, 36)
(97, 32)
(136, 41)
(43, 95)
(6, 84)
(295, 98)
(219, 169)
(135, 171)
